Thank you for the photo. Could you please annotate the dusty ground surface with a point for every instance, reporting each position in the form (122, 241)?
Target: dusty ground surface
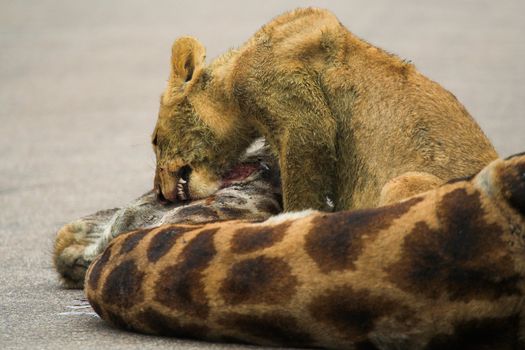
(79, 89)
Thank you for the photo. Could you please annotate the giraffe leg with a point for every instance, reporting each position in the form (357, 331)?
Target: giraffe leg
(406, 185)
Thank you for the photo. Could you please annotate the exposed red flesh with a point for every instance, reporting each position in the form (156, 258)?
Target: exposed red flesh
(238, 173)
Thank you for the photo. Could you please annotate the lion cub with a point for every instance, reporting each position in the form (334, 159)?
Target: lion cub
(342, 116)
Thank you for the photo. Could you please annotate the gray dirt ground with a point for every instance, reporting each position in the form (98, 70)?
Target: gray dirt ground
(79, 88)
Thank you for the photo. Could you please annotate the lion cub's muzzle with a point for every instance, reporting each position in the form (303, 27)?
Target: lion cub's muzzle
(173, 186)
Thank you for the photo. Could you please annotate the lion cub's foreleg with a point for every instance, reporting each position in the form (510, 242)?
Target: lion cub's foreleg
(407, 185)
(305, 142)
(308, 164)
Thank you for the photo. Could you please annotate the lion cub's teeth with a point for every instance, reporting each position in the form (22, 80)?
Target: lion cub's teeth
(182, 181)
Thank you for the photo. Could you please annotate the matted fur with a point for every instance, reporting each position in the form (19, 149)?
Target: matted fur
(342, 116)
(441, 270)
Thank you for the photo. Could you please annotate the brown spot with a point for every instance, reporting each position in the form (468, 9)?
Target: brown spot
(117, 320)
(162, 242)
(96, 307)
(180, 286)
(199, 211)
(483, 334)
(123, 286)
(235, 213)
(268, 206)
(277, 328)
(96, 271)
(336, 240)
(513, 185)
(253, 238)
(132, 240)
(169, 326)
(460, 179)
(354, 313)
(365, 345)
(229, 200)
(232, 340)
(515, 156)
(261, 280)
(465, 257)
(209, 199)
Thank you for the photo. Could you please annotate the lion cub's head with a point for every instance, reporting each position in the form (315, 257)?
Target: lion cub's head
(198, 135)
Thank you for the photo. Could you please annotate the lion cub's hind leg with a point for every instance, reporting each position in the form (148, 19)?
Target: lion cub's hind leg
(406, 185)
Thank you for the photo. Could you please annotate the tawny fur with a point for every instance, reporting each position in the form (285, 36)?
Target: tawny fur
(441, 270)
(342, 116)
(407, 185)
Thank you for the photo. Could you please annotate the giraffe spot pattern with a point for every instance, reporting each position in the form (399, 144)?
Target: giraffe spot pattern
(365, 345)
(253, 238)
(278, 328)
(233, 339)
(180, 286)
(163, 240)
(460, 179)
(336, 240)
(123, 286)
(228, 200)
(484, 334)
(96, 307)
(260, 280)
(515, 156)
(268, 206)
(116, 320)
(96, 271)
(513, 186)
(132, 240)
(199, 211)
(354, 313)
(170, 326)
(235, 213)
(465, 257)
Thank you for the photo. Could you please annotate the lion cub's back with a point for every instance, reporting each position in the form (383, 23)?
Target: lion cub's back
(390, 118)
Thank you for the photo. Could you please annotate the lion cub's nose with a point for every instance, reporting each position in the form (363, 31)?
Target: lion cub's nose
(159, 196)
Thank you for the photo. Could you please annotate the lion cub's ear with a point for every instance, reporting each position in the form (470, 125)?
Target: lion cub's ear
(187, 55)
(187, 58)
